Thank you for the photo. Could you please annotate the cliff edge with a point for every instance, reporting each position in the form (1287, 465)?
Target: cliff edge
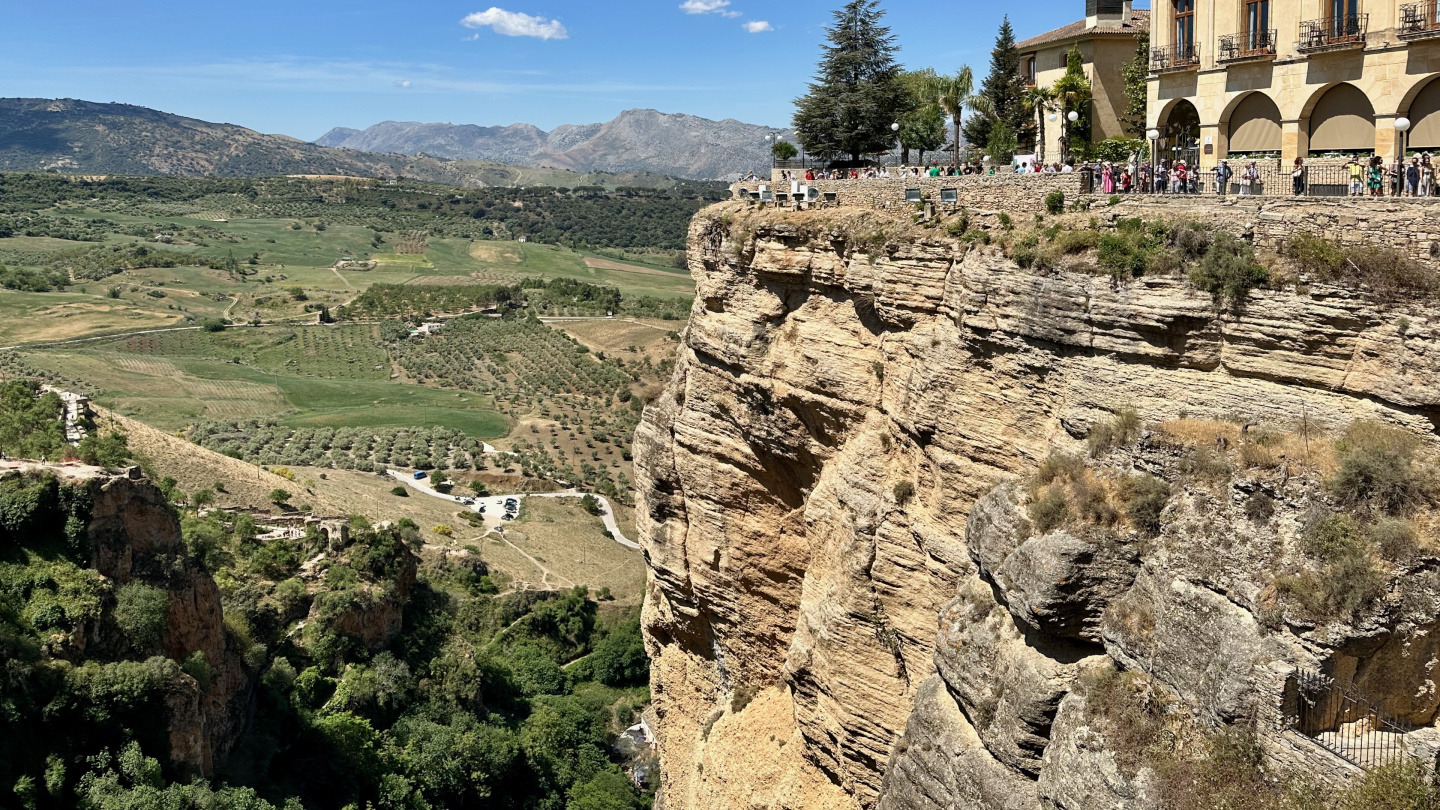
(927, 529)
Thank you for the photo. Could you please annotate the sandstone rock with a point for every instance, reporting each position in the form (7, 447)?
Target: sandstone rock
(1080, 770)
(941, 763)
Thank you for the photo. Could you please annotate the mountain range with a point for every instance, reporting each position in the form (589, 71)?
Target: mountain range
(84, 137)
(636, 140)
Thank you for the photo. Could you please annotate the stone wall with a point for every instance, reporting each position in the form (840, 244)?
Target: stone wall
(1409, 225)
(993, 192)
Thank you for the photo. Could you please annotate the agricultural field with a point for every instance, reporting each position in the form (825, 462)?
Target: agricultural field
(272, 323)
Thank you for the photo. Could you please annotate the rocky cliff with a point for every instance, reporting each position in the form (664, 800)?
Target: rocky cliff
(134, 537)
(927, 530)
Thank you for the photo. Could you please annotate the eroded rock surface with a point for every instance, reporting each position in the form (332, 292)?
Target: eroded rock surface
(842, 456)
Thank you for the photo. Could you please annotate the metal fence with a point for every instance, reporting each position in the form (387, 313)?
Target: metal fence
(1239, 47)
(1419, 21)
(1345, 721)
(1333, 33)
(1274, 180)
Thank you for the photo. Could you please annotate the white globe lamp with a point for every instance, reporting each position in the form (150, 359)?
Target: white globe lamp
(1072, 116)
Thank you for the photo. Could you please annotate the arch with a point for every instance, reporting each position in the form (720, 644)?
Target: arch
(1424, 115)
(1342, 120)
(1180, 130)
(1252, 124)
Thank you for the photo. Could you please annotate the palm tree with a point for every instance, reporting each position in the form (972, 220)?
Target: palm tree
(1072, 91)
(955, 94)
(1039, 100)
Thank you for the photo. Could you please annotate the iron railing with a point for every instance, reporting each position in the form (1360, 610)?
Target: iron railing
(1247, 45)
(1419, 21)
(1345, 721)
(1174, 57)
(1333, 33)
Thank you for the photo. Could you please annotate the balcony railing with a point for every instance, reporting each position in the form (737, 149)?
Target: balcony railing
(1333, 33)
(1247, 46)
(1174, 57)
(1419, 21)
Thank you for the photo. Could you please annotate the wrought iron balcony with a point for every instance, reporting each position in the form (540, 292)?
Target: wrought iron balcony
(1419, 21)
(1333, 33)
(1247, 46)
(1174, 57)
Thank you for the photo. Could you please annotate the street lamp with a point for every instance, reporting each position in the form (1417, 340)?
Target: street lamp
(1402, 125)
(1154, 135)
(895, 128)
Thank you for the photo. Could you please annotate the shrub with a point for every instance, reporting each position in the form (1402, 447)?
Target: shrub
(1259, 507)
(904, 491)
(443, 530)
(1383, 270)
(197, 666)
(1377, 469)
(142, 613)
(279, 497)
(1114, 200)
(1144, 497)
(1395, 539)
(1055, 202)
(1049, 510)
(1121, 430)
(213, 325)
(400, 492)
(1228, 271)
(742, 696)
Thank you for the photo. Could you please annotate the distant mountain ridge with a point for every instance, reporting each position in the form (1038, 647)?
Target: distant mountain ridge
(636, 140)
(85, 137)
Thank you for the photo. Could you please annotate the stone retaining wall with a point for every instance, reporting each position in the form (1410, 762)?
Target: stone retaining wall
(1409, 225)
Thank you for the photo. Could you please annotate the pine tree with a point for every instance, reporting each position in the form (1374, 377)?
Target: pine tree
(1005, 88)
(857, 93)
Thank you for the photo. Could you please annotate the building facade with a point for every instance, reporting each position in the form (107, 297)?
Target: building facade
(1107, 40)
(1293, 78)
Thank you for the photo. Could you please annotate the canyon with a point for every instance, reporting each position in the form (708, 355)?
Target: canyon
(852, 602)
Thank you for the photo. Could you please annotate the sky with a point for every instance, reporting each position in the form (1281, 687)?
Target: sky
(301, 67)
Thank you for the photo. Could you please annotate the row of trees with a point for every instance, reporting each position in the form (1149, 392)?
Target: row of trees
(862, 102)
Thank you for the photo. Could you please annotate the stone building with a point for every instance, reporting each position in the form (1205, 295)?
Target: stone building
(1107, 40)
(1287, 79)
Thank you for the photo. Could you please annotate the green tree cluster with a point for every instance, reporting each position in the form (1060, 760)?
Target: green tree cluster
(857, 93)
(1004, 91)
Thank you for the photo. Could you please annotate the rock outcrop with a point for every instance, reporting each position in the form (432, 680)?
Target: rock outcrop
(843, 455)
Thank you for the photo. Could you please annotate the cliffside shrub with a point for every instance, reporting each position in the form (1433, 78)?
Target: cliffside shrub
(1144, 497)
(141, 612)
(1228, 270)
(1121, 430)
(904, 491)
(1049, 510)
(1378, 469)
(1383, 270)
(1347, 577)
(1055, 202)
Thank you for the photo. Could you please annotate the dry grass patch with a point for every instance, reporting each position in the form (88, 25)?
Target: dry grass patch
(570, 542)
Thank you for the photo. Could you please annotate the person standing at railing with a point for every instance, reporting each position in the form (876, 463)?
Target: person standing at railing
(1178, 177)
(1377, 177)
(1297, 177)
(1427, 176)
(1222, 178)
(1412, 177)
(1248, 176)
(1356, 173)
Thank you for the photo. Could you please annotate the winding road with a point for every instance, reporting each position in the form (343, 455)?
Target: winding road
(494, 505)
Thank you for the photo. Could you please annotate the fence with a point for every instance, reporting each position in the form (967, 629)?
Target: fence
(1273, 180)
(1344, 721)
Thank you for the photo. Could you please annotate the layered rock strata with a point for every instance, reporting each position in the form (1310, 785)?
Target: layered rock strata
(833, 467)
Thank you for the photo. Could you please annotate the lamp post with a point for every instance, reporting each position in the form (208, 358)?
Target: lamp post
(1052, 118)
(1154, 136)
(1402, 127)
(895, 128)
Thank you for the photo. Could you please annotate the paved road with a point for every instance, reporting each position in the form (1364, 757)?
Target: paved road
(494, 505)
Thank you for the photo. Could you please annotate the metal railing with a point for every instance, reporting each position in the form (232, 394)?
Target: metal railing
(1333, 33)
(1247, 45)
(1174, 57)
(1419, 21)
(1345, 721)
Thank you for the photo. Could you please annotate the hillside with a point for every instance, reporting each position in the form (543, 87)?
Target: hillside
(636, 140)
(71, 136)
(1077, 512)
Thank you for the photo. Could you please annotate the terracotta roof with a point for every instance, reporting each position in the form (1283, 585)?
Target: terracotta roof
(1139, 21)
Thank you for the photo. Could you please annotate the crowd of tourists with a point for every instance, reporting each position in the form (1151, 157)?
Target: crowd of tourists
(1359, 176)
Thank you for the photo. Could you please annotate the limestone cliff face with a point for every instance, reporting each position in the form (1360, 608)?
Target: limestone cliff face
(135, 537)
(847, 606)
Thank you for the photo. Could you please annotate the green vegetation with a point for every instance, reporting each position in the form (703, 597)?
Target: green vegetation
(1008, 121)
(1228, 270)
(1381, 270)
(857, 92)
(31, 424)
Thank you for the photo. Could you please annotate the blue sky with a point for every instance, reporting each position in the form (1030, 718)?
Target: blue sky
(300, 67)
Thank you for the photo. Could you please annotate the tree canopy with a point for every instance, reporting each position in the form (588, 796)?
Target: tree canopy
(857, 93)
(1004, 88)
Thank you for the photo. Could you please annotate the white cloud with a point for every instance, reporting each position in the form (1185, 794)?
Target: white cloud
(402, 83)
(758, 26)
(515, 24)
(720, 7)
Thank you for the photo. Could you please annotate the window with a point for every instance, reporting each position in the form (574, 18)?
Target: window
(1030, 70)
(1257, 24)
(1185, 25)
(1341, 9)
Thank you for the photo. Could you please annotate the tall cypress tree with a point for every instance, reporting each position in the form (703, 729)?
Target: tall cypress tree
(1005, 88)
(857, 93)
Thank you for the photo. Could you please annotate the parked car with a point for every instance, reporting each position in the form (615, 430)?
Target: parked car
(419, 474)
(507, 516)
(467, 501)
